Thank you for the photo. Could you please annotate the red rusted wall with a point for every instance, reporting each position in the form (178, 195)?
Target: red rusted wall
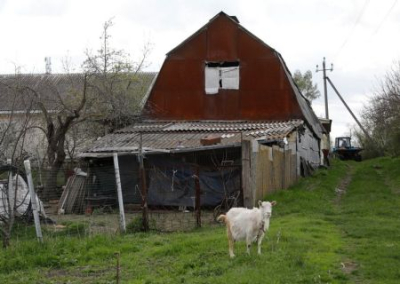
(264, 90)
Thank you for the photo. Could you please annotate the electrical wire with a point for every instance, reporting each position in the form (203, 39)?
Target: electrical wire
(386, 16)
(352, 30)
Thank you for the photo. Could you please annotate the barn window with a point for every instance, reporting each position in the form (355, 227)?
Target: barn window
(221, 75)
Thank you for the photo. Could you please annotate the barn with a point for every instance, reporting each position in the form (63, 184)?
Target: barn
(223, 109)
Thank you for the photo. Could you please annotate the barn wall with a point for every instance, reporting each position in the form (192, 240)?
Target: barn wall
(264, 93)
(308, 148)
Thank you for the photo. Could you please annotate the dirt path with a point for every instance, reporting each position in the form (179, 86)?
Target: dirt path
(348, 265)
(341, 189)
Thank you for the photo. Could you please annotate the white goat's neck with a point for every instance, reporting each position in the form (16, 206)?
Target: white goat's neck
(265, 218)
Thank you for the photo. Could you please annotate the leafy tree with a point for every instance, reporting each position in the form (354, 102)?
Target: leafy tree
(305, 84)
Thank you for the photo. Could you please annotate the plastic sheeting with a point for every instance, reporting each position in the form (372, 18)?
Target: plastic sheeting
(102, 179)
(22, 197)
(172, 183)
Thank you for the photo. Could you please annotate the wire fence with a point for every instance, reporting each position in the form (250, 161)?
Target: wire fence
(84, 204)
(178, 196)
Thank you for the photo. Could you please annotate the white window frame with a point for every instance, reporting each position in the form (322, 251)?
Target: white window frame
(221, 75)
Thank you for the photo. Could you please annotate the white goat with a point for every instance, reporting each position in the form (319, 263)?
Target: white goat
(247, 224)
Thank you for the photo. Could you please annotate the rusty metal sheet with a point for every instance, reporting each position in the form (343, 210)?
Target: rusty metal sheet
(264, 93)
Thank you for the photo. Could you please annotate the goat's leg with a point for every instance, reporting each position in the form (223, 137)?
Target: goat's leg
(231, 242)
(248, 244)
(259, 241)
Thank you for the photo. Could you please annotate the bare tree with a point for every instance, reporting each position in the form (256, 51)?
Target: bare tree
(16, 118)
(38, 106)
(16, 121)
(114, 80)
(106, 92)
(58, 105)
(57, 126)
(381, 116)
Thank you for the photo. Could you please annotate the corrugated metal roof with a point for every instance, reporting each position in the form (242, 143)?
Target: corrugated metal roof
(179, 136)
(308, 113)
(305, 106)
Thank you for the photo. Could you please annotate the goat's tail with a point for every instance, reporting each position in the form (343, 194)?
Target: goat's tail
(222, 218)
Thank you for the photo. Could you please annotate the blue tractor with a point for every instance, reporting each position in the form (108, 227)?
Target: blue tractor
(345, 151)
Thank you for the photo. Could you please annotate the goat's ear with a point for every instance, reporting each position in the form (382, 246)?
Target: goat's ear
(273, 203)
(259, 202)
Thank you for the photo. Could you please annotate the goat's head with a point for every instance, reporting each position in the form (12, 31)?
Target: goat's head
(266, 208)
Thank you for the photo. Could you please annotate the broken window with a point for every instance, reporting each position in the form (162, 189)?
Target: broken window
(221, 75)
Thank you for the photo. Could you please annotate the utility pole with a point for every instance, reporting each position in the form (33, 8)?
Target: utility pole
(48, 65)
(325, 88)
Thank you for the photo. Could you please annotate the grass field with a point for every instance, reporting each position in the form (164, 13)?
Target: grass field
(339, 226)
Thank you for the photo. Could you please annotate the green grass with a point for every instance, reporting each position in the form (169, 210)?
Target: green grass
(312, 236)
(369, 218)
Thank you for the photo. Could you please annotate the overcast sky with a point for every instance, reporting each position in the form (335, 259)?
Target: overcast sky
(360, 37)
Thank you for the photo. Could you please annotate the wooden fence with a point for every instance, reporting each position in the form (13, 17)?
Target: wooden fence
(276, 169)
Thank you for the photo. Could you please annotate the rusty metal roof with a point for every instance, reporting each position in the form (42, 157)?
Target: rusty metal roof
(182, 136)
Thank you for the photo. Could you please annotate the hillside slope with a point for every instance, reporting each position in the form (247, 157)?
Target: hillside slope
(339, 226)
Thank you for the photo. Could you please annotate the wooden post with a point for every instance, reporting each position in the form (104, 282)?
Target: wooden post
(32, 193)
(283, 169)
(246, 178)
(198, 196)
(118, 268)
(11, 193)
(143, 186)
(122, 224)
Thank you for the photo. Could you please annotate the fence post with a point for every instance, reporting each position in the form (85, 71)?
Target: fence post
(118, 255)
(32, 193)
(11, 193)
(198, 196)
(248, 199)
(143, 186)
(122, 224)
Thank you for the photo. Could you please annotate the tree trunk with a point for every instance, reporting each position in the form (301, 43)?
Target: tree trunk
(50, 185)
(56, 157)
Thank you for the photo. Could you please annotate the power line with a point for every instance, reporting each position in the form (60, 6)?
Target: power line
(352, 30)
(376, 30)
(386, 16)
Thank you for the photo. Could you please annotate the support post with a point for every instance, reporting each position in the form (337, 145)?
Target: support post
(248, 199)
(143, 186)
(325, 90)
(326, 94)
(34, 204)
(122, 224)
(325, 87)
(198, 196)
